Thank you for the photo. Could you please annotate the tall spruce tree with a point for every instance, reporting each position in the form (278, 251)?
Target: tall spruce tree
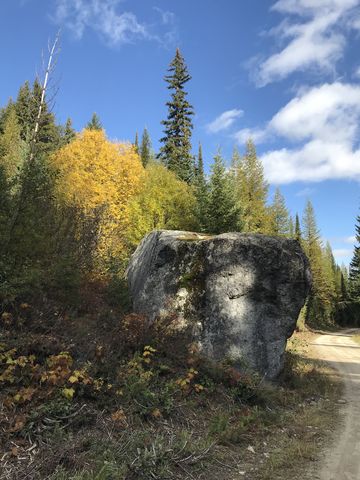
(145, 148)
(176, 149)
(95, 123)
(354, 271)
(252, 190)
(222, 212)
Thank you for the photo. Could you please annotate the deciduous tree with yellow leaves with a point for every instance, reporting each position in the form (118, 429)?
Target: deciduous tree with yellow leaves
(163, 202)
(99, 178)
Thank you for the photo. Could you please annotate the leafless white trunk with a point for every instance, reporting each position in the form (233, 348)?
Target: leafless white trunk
(32, 150)
(49, 67)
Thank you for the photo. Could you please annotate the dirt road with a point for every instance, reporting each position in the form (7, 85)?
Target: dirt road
(342, 460)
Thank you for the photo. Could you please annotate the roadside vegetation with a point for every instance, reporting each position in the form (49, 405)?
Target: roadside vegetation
(121, 402)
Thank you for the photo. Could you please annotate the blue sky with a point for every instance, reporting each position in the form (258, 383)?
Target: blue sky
(286, 72)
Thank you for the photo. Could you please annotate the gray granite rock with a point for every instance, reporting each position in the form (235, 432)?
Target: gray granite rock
(240, 293)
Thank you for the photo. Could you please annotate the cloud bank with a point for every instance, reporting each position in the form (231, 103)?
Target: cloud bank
(325, 121)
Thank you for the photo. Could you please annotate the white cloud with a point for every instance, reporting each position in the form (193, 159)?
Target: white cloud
(342, 252)
(323, 122)
(167, 18)
(257, 135)
(315, 41)
(224, 121)
(351, 239)
(103, 16)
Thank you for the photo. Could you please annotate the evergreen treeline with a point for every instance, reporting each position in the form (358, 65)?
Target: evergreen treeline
(73, 206)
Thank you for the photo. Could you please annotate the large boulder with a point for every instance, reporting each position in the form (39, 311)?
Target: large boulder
(240, 293)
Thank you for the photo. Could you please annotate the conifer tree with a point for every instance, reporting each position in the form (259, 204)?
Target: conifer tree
(329, 270)
(136, 143)
(145, 148)
(23, 110)
(176, 149)
(345, 273)
(222, 212)
(95, 123)
(291, 227)
(48, 136)
(280, 215)
(252, 190)
(201, 192)
(12, 147)
(354, 271)
(235, 161)
(343, 288)
(297, 228)
(69, 133)
(319, 302)
(4, 112)
(27, 108)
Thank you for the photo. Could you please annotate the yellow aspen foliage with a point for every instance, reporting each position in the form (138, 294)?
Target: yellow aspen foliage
(163, 202)
(99, 178)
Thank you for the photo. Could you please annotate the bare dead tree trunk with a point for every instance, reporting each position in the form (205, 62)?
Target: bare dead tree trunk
(52, 53)
(53, 50)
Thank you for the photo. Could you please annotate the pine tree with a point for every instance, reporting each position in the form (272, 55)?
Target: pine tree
(280, 215)
(95, 123)
(252, 190)
(145, 148)
(222, 212)
(136, 143)
(297, 229)
(201, 193)
(176, 150)
(354, 271)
